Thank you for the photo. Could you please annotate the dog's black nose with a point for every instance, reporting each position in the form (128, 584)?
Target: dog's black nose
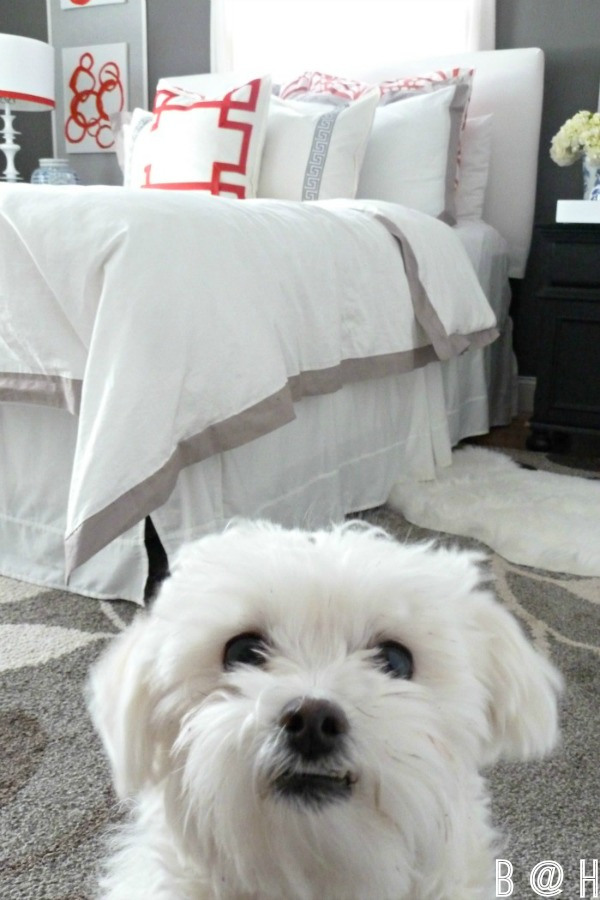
(313, 727)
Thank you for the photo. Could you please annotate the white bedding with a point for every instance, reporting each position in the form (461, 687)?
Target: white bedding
(172, 356)
(471, 411)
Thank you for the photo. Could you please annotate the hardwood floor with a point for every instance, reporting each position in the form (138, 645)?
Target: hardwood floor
(580, 449)
(513, 435)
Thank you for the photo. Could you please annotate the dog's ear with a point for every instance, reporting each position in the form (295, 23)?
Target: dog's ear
(121, 703)
(522, 686)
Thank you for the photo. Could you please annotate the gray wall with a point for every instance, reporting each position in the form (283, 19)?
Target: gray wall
(567, 30)
(178, 38)
(569, 33)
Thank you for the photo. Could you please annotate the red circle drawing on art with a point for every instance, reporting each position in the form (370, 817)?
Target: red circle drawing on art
(94, 95)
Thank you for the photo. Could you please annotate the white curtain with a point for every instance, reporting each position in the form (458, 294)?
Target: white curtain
(481, 25)
(286, 36)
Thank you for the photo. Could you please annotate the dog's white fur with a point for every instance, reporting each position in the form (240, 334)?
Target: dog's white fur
(195, 747)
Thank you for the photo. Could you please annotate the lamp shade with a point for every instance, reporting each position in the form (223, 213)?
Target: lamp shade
(26, 73)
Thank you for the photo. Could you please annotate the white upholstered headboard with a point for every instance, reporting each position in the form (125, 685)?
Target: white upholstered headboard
(509, 84)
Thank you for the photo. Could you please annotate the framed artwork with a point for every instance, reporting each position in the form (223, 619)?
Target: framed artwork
(77, 4)
(95, 81)
(101, 69)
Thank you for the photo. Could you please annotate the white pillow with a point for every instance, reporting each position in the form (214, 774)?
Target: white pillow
(406, 160)
(210, 141)
(210, 84)
(131, 130)
(476, 151)
(314, 151)
(136, 144)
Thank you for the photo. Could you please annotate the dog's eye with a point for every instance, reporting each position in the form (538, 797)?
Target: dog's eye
(395, 659)
(244, 649)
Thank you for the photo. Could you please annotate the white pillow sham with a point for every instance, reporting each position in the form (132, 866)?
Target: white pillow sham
(314, 151)
(130, 129)
(208, 141)
(474, 167)
(406, 160)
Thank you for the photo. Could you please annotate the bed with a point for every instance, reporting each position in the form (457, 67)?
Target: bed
(179, 358)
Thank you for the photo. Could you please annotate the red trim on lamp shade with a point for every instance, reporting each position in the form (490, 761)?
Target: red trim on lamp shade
(30, 98)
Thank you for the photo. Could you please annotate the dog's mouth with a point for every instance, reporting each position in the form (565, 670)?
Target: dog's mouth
(315, 787)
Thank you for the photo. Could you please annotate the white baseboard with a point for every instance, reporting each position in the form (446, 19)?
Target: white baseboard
(526, 391)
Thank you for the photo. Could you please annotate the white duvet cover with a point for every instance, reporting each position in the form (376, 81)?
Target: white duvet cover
(176, 326)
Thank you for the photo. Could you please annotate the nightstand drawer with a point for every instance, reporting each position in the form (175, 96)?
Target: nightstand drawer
(574, 264)
(569, 368)
(567, 394)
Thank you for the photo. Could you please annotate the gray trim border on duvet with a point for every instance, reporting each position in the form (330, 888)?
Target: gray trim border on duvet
(446, 345)
(265, 416)
(41, 390)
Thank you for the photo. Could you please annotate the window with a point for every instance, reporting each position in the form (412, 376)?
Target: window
(285, 36)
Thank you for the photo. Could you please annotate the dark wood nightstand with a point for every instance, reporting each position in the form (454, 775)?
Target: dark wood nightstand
(567, 395)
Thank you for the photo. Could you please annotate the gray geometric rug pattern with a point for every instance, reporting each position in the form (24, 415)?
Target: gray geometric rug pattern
(56, 798)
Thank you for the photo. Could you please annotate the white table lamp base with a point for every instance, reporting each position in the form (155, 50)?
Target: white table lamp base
(9, 146)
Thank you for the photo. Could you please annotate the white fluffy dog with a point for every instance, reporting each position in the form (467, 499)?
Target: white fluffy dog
(305, 715)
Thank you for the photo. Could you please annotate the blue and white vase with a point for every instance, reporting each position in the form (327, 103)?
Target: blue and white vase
(54, 171)
(591, 180)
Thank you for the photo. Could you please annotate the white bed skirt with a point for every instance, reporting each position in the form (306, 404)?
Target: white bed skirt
(488, 252)
(342, 454)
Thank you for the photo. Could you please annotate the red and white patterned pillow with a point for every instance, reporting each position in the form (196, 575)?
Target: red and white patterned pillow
(210, 141)
(350, 89)
(431, 81)
(320, 83)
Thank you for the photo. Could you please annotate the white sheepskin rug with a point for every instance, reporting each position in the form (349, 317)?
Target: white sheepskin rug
(531, 518)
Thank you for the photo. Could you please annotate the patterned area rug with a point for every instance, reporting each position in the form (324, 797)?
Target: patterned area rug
(55, 794)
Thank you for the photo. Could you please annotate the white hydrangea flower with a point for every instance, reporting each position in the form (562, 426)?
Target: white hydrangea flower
(578, 137)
